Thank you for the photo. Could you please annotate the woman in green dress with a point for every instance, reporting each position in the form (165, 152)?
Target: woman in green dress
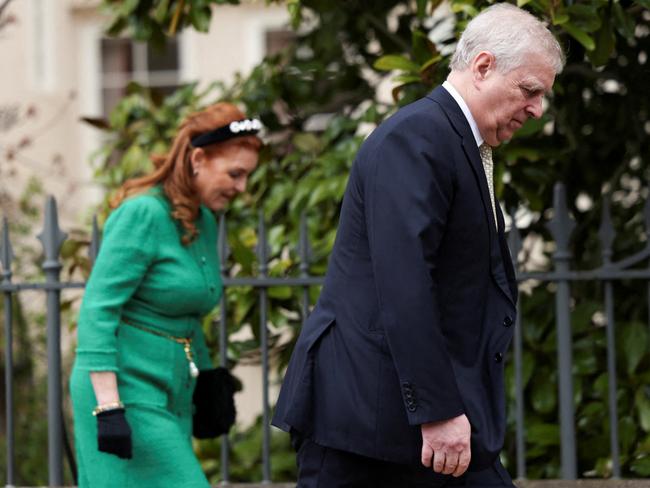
(140, 342)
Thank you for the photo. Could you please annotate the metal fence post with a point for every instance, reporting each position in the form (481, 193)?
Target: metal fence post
(305, 253)
(6, 257)
(646, 219)
(262, 255)
(514, 241)
(607, 235)
(52, 238)
(561, 226)
(224, 252)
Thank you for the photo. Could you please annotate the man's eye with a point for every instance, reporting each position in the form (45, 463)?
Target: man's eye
(234, 174)
(530, 93)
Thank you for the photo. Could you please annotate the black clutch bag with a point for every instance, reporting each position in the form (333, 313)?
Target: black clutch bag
(214, 403)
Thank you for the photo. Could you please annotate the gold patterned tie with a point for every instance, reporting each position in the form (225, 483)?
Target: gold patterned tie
(486, 157)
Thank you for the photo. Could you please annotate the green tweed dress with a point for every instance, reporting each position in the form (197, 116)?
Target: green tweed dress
(145, 276)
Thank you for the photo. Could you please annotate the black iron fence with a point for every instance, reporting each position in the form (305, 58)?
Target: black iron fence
(561, 227)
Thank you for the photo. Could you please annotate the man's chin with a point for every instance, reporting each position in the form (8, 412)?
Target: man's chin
(504, 136)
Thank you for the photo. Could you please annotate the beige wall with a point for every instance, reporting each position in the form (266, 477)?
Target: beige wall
(38, 59)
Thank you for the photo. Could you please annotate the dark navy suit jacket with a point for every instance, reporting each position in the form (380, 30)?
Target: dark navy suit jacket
(417, 308)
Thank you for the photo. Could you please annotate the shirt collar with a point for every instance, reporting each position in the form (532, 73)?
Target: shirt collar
(463, 106)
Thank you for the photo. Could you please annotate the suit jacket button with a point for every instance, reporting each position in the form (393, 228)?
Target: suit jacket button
(412, 408)
(498, 357)
(507, 321)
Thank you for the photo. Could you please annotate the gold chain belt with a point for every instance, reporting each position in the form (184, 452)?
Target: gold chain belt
(185, 341)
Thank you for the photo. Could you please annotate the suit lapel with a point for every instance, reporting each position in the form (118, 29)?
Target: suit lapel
(461, 126)
(503, 275)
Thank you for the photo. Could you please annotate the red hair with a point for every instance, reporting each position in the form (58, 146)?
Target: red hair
(174, 170)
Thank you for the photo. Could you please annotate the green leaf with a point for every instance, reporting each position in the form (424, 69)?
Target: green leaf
(521, 3)
(582, 315)
(605, 43)
(600, 386)
(544, 394)
(458, 7)
(161, 11)
(116, 26)
(543, 434)
(422, 8)
(307, 142)
(623, 21)
(280, 292)
(641, 466)
(643, 3)
(430, 62)
(423, 48)
(135, 161)
(627, 433)
(580, 35)
(642, 403)
(561, 18)
(391, 62)
(634, 339)
(127, 7)
(405, 79)
(585, 16)
(295, 12)
(200, 18)
(585, 363)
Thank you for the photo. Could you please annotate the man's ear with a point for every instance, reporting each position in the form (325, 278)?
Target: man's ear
(197, 159)
(483, 65)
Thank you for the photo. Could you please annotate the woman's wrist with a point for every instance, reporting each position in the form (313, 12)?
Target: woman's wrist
(107, 407)
(105, 387)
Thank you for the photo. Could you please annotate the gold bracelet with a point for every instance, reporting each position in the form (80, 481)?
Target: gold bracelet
(107, 406)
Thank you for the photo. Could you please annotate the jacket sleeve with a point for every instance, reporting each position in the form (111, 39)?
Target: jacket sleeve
(407, 198)
(127, 251)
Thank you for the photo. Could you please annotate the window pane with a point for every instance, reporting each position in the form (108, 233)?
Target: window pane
(165, 58)
(277, 40)
(116, 56)
(110, 97)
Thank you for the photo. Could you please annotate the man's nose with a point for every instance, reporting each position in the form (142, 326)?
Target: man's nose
(535, 109)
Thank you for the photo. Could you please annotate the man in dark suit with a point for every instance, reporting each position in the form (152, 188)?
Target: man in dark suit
(396, 379)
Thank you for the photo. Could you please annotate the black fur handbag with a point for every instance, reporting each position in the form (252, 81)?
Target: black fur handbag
(214, 403)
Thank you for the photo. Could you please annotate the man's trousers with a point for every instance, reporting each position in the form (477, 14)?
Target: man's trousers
(324, 467)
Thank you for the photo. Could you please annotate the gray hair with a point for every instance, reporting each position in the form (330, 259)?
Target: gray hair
(510, 34)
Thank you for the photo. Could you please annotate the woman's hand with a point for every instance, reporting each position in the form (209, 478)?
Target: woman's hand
(114, 433)
(113, 430)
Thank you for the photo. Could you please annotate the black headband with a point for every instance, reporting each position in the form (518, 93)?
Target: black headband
(237, 128)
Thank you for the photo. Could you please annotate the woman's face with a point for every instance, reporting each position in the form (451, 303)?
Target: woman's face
(221, 175)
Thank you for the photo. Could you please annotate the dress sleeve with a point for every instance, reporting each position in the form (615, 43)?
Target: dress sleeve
(128, 250)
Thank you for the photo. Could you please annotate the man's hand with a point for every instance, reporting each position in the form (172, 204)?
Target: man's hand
(448, 443)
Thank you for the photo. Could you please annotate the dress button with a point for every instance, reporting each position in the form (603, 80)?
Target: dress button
(203, 260)
(498, 357)
(507, 321)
